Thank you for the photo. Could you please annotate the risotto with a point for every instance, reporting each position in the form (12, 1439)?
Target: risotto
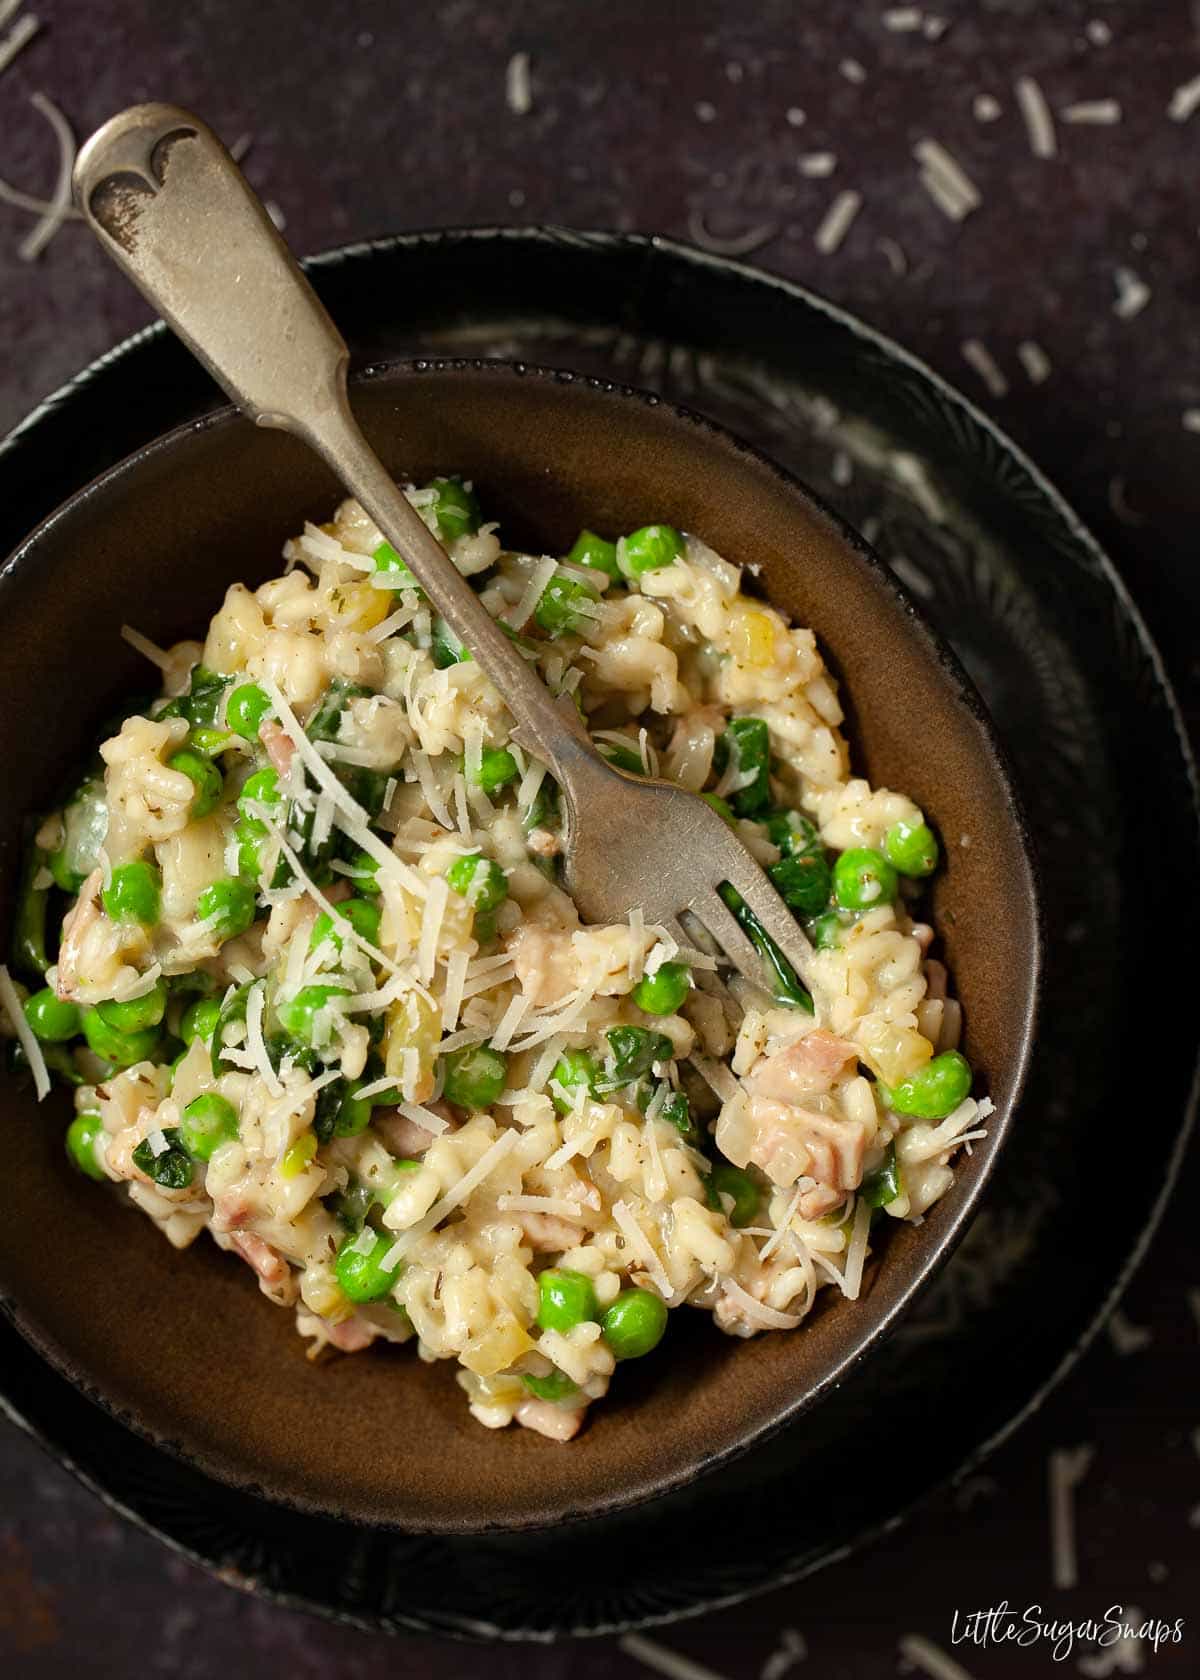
(299, 942)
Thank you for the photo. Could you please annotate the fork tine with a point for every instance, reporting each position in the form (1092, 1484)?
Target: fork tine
(721, 924)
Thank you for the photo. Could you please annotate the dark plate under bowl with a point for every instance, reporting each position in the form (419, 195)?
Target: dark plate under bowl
(181, 1346)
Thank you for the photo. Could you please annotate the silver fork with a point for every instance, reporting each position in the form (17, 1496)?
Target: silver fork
(173, 210)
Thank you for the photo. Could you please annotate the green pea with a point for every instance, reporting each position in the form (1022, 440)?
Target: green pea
(912, 847)
(172, 1167)
(51, 1018)
(246, 708)
(82, 1136)
(227, 906)
(297, 1014)
(572, 1069)
(720, 806)
(565, 1299)
(363, 916)
(120, 1048)
(138, 1013)
(204, 776)
(134, 894)
(563, 607)
(456, 510)
(479, 880)
(363, 870)
(206, 1123)
(555, 1385)
(200, 1020)
(648, 549)
(354, 1112)
(497, 768)
(728, 1180)
(262, 788)
(635, 1323)
(210, 742)
(863, 878)
(662, 992)
(590, 550)
(827, 931)
(747, 742)
(936, 1090)
(249, 834)
(363, 1276)
(802, 882)
(475, 1076)
(400, 573)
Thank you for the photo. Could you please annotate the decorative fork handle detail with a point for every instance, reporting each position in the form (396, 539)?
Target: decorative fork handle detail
(176, 214)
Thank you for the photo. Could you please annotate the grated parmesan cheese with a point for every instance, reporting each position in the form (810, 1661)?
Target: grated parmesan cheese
(945, 180)
(757, 1312)
(1133, 294)
(431, 926)
(487, 1163)
(653, 1655)
(256, 1043)
(1066, 1469)
(836, 222)
(979, 357)
(642, 1247)
(543, 570)
(33, 1050)
(1185, 100)
(1039, 124)
(148, 649)
(518, 93)
(922, 1653)
(1096, 111)
(1034, 360)
(510, 1021)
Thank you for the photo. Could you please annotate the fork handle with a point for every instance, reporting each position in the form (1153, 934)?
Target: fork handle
(177, 215)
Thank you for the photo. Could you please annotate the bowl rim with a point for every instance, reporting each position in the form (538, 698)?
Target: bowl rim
(878, 1325)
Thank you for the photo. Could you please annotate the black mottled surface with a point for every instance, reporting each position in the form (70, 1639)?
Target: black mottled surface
(675, 118)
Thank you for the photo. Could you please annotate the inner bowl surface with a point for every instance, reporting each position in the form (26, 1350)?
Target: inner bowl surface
(182, 1346)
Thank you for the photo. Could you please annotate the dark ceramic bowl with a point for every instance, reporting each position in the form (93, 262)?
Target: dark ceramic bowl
(181, 1346)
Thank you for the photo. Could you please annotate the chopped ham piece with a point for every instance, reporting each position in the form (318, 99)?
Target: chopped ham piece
(408, 1137)
(280, 748)
(790, 1142)
(271, 1267)
(554, 1422)
(805, 1069)
(352, 1335)
(550, 1233)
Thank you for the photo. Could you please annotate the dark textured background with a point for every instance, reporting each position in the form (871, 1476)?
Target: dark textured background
(370, 117)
